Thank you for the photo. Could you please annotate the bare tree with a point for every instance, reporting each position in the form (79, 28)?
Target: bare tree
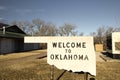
(51, 31)
(117, 29)
(81, 34)
(24, 25)
(42, 31)
(110, 30)
(93, 34)
(42, 27)
(20, 24)
(38, 23)
(31, 29)
(67, 30)
(48, 29)
(100, 35)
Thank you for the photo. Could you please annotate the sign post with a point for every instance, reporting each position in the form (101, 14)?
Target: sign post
(52, 72)
(85, 76)
(70, 53)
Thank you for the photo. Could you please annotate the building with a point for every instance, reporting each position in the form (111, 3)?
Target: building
(12, 40)
(99, 47)
(113, 45)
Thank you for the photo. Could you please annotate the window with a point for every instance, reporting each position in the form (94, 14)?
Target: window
(117, 45)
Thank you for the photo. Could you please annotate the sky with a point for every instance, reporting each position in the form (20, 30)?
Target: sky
(86, 15)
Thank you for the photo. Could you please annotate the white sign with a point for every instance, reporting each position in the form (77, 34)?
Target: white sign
(69, 53)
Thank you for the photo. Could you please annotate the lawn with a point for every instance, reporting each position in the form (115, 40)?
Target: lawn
(20, 55)
(38, 69)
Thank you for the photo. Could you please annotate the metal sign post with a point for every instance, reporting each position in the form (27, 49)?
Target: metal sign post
(52, 72)
(85, 76)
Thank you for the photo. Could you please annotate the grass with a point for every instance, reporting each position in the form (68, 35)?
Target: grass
(38, 69)
(30, 71)
(20, 55)
(108, 71)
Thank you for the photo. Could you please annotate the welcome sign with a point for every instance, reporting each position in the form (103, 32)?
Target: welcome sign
(69, 53)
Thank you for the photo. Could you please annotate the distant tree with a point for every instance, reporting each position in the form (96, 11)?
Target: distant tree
(67, 30)
(42, 31)
(117, 29)
(110, 30)
(30, 29)
(41, 26)
(100, 36)
(93, 34)
(51, 30)
(81, 34)
(38, 23)
(47, 29)
(21, 24)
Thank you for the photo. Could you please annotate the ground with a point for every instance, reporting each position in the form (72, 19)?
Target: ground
(29, 66)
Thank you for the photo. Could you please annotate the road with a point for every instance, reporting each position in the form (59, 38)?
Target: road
(98, 58)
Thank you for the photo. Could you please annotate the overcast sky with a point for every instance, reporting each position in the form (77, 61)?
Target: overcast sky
(87, 15)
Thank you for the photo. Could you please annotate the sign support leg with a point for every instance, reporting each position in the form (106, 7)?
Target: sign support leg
(85, 76)
(52, 72)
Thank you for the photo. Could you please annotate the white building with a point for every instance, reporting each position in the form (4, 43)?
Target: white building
(113, 45)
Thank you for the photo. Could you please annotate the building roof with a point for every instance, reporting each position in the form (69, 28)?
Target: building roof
(11, 35)
(15, 29)
(11, 31)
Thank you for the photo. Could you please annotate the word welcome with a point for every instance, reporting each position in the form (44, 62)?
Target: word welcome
(69, 45)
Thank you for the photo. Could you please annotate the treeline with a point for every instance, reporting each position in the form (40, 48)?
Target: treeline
(102, 32)
(42, 28)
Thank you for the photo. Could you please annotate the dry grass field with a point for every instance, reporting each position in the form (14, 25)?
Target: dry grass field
(20, 55)
(23, 67)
